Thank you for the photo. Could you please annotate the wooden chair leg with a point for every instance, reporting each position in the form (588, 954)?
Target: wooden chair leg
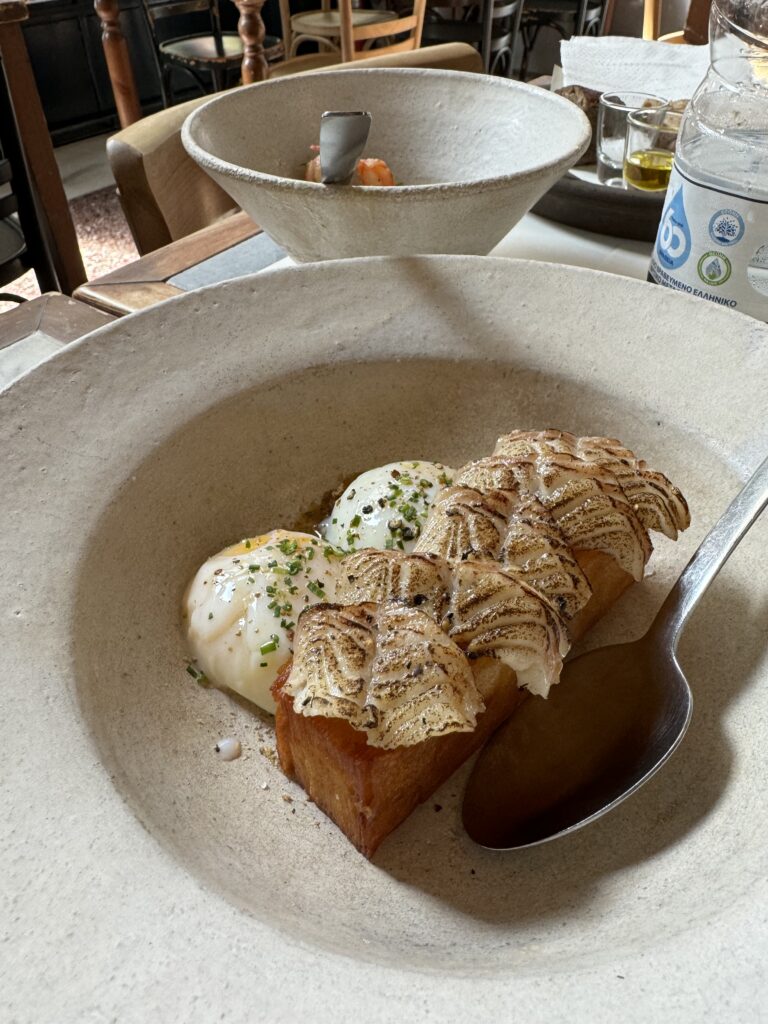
(251, 30)
(45, 180)
(606, 20)
(581, 18)
(651, 19)
(166, 86)
(529, 41)
(516, 34)
(118, 62)
(487, 21)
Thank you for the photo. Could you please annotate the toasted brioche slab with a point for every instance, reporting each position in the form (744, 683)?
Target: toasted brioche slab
(368, 791)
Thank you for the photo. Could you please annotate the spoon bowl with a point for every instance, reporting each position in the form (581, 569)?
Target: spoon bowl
(616, 716)
(613, 720)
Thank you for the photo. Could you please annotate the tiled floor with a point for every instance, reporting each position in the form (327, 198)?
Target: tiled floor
(84, 167)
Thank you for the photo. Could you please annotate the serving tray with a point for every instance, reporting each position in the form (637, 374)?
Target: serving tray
(588, 205)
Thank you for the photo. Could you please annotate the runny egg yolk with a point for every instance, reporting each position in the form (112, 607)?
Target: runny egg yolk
(242, 606)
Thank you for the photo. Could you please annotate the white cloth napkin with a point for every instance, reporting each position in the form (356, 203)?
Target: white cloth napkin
(612, 63)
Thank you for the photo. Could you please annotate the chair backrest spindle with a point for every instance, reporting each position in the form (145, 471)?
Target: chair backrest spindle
(351, 35)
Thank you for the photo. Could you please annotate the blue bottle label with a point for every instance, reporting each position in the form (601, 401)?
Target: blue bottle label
(713, 244)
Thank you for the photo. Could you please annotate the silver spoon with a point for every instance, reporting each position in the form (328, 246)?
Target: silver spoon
(343, 135)
(616, 716)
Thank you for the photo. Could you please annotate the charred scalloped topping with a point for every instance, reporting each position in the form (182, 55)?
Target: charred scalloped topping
(493, 574)
(388, 669)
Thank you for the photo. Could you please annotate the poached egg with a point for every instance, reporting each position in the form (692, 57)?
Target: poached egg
(242, 605)
(386, 507)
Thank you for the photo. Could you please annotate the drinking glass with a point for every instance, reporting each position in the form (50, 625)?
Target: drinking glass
(612, 116)
(650, 148)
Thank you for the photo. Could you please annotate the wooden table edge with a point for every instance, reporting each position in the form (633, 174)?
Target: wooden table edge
(129, 297)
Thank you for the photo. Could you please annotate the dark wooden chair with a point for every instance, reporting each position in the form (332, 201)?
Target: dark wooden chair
(210, 55)
(695, 31)
(491, 26)
(566, 17)
(15, 256)
(36, 229)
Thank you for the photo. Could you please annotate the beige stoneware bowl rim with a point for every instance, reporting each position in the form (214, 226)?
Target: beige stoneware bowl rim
(216, 165)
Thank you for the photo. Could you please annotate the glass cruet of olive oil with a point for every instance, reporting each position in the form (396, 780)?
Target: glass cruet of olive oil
(712, 240)
(649, 151)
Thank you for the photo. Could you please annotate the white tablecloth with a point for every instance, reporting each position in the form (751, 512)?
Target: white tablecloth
(537, 239)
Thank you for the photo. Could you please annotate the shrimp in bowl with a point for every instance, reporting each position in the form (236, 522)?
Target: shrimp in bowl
(368, 171)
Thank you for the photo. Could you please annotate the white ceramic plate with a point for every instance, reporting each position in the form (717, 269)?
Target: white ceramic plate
(147, 880)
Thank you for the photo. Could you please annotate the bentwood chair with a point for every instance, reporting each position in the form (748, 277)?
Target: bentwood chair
(323, 26)
(358, 38)
(566, 17)
(210, 54)
(491, 25)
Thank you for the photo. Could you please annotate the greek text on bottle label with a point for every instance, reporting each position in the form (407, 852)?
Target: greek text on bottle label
(713, 244)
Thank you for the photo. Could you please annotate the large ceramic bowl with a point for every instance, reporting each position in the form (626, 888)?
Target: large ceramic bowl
(144, 879)
(473, 154)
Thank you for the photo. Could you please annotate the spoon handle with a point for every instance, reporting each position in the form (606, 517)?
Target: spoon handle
(711, 555)
(343, 135)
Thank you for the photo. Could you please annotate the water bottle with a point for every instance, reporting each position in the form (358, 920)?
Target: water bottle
(712, 240)
(735, 25)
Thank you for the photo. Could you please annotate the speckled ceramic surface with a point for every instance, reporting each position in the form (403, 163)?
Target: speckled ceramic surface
(143, 878)
(471, 154)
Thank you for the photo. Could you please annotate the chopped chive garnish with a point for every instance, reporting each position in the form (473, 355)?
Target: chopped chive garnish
(270, 645)
(354, 521)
